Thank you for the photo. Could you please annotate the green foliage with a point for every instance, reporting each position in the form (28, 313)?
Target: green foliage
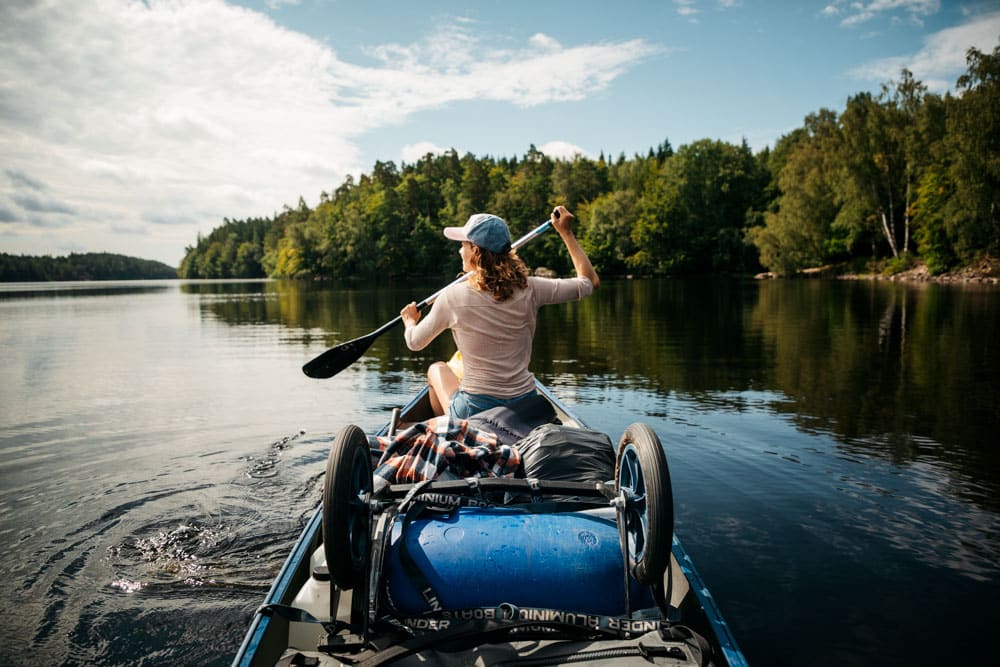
(606, 222)
(934, 242)
(904, 173)
(902, 165)
(693, 217)
(973, 141)
(796, 234)
(83, 266)
(898, 264)
(234, 250)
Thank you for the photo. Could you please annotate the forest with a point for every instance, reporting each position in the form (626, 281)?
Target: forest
(898, 177)
(81, 266)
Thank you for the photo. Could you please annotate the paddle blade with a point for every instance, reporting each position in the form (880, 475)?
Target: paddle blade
(338, 358)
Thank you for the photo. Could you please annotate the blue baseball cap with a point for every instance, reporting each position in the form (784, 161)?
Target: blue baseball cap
(483, 229)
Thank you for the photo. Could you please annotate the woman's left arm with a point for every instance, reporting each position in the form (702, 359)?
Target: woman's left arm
(581, 262)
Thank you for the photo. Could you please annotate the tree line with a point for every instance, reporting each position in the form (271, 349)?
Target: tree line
(897, 176)
(81, 266)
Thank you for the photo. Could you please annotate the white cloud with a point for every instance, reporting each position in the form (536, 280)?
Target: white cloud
(562, 150)
(544, 42)
(686, 7)
(162, 117)
(412, 153)
(456, 65)
(861, 12)
(942, 59)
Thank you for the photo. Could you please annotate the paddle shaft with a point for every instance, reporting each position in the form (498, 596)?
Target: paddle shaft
(340, 357)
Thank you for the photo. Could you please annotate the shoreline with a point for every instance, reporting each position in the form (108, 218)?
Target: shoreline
(983, 272)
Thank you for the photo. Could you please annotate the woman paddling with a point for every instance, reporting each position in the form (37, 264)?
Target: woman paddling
(492, 316)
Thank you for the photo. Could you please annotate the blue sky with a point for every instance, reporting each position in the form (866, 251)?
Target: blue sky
(132, 126)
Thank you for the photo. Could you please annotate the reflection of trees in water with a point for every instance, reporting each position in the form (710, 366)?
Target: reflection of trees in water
(902, 372)
(898, 371)
(331, 313)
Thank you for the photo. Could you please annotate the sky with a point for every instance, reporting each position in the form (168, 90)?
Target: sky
(131, 127)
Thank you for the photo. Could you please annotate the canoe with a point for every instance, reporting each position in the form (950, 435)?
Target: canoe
(540, 569)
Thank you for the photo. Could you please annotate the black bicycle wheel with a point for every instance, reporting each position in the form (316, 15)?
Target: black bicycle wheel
(346, 517)
(643, 478)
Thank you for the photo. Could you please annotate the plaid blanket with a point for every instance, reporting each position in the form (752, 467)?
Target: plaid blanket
(440, 448)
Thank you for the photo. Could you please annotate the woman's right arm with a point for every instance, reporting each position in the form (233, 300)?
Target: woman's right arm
(420, 332)
(581, 262)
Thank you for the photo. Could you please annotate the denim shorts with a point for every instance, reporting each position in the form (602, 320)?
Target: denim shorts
(464, 405)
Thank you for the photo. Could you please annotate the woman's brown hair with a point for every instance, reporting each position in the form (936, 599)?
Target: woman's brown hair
(500, 274)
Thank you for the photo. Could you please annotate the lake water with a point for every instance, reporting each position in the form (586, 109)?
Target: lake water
(832, 445)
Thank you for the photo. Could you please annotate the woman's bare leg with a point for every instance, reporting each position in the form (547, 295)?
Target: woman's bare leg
(443, 383)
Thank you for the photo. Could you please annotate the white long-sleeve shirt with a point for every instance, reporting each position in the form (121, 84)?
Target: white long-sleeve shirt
(494, 337)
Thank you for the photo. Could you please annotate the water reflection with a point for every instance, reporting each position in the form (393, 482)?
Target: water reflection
(902, 372)
(83, 287)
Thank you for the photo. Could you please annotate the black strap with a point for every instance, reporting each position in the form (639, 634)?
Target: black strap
(296, 615)
(419, 506)
(288, 613)
(488, 630)
(614, 627)
(482, 630)
(416, 575)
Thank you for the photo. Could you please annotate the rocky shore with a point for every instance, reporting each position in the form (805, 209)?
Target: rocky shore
(985, 271)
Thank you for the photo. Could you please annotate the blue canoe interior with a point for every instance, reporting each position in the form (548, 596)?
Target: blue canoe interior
(491, 570)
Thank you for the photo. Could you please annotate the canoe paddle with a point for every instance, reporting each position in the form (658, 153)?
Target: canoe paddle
(340, 357)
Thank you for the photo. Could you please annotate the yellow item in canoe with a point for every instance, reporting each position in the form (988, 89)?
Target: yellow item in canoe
(455, 363)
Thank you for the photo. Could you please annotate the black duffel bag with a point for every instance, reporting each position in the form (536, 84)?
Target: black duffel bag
(563, 453)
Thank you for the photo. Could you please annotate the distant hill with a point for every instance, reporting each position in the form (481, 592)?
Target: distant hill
(81, 266)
